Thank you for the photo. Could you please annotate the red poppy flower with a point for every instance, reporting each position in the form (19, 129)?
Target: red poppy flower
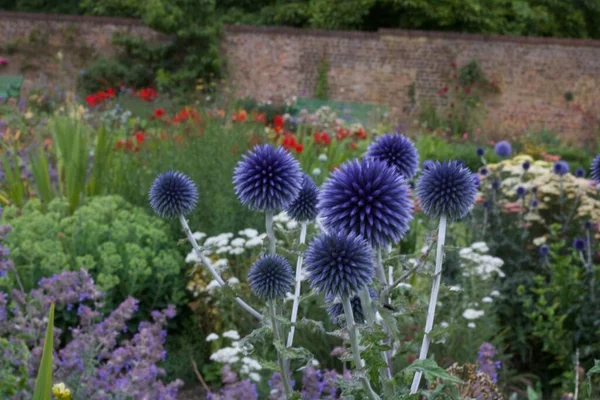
(120, 144)
(91, 100)
(353, 145)
(140, 137)
(159, 112)
(361, 134)
(148, 94)
(261, 118)
(110, 92)
(299, 148)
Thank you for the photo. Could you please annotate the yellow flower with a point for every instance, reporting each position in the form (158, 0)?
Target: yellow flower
(61, 392)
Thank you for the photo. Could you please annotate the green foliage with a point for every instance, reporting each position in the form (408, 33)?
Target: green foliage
(13, 367)
(322, 88)
(128, 252)
(43, 383)
(102, 74)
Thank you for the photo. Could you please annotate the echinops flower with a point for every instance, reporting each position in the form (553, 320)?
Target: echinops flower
(267, 178)
(426, 164)
(304, 207)
(580, 173)
(480, 151)
(270, 277)
(526, 165)
(173, 194)
(396, 151)
(503, 149)
(446, 189)
(544, 250)
(521, 191)
(595, 173)
(369, 199)
(560, 168)
(339, 264)
(579, 244)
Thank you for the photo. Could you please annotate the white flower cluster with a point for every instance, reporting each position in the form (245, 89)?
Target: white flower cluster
(476, 261)
(233, 355)
(283, 221)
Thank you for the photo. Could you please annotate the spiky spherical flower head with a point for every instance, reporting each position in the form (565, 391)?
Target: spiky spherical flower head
(476, 180)
(396, 151)
(336, 309)
(534, 190)
(526, 165)
(521, 191)
(339, 264)
(427, 164)
(448, 189)
(496, 184)
(588, 224)
(580, 173)
(544, 250)
(267, 178)
(367, 198)
(579, 244)
(173, 194)
(596, 169)
(503, 149)
(561, 168)
(480, 151)
(484, 171)
(270, 277)
(533, 203)
(304, 207)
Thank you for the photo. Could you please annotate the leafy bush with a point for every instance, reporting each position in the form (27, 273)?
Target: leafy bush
(128, 251)
(103, 73)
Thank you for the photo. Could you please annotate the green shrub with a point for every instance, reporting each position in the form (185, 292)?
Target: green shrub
(101, 74)
(127, 251)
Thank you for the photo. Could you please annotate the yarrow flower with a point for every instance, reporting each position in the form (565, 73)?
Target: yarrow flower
(595, 173)
(173, 194)
(61, 391)
(446, 189)
(580, 173)
(369, 199)
(480, 151)
(339, 264)
(503, 149)
(561, 168)
(579, 244)
(304, 207)
(270, 277)
(267, 178)
(396, 151)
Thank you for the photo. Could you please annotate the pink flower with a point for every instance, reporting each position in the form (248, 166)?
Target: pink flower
(3, 62)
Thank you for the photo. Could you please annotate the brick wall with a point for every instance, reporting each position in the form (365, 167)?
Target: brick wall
(532, 74)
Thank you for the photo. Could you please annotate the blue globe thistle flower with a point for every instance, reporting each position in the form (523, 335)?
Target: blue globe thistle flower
(521, 191)
(560, 168)
(270, 277)
(304, 207)
(480, 151)
(534, 190)
(267, 178)
(484, 171)
(587, 225)
(173, 194)
(496, 184)
(580, 173)
(369, 199)
(427, 164)
(336, 309)
(476, 180)
(526, 165)
(533, 203)
(544, 250)
(595, 172)
(446, 189)
(396, 151)
(339, 264)
(485, 204)
(503, 149)
(579, 244)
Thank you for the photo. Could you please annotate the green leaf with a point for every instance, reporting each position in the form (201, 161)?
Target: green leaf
(431, 370)
(43, 383)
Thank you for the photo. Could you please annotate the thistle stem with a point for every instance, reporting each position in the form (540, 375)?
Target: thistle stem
(367, 306)
(208, 264)
(356, 349)
(381, 273)
(296, 303)
(285, 377)
(576, 394)
(435, 288)
(380, 270)
(270, 232)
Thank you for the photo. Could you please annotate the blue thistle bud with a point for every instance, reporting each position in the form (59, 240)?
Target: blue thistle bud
(580, 173)
(503, 149)
(339, 264)
(587, 225)
(396, 151)
(485, 204)
(304, 207)
(496, 184)
(526, 165)
(544, 250)
(534, 190)
(579, 244)
(595, 172)
(560, 168)
(270, 277)
(267, 178)
(533, 203)
(173, 194)
(446, 189)
(484, 171)
(480, 151)
(521, 191)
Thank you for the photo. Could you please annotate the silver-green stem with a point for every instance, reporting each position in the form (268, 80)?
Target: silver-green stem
(283, 362)
(296, 303)
(435, 288)
(576, 394)
(270, 232)
(208, 264)
(367, 306)
(356, 348)
(388, 354)
(590, 266)
(380, 270)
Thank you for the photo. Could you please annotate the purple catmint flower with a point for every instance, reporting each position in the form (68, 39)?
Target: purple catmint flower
(595, 170)
(3, 303)
(369, 199)
(446, 189)
(276, 385)
(579, 244)
(173, 194)
(339, 264)
(503, 149)
(317, 384)
(234, 389)
(486, 362)
(270, 277)
(396, 151)
(580, 173)
(304, 207)
(561, 168)
(267, 178)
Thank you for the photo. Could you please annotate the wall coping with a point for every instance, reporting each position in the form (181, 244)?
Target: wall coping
(283, 30)
(70, 18)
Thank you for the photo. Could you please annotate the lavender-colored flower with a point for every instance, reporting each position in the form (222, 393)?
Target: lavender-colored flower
(486, 362)
(317, 385)
(446, 189)
(533, 203)
(579, 244)
(339, 264)
(276, 384)
(560, 168)
(526, 165)
(3, 303)
(480, 151)
(270, 277)
(267, 178)
(173, 194)
(427, 164)
(233, 388)
(544, 250)
(304, 207)
(369, 199)
(521, 191)
(503, 149)
(580, 173)
(595, 170)
(396, 151)
(484, 171)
